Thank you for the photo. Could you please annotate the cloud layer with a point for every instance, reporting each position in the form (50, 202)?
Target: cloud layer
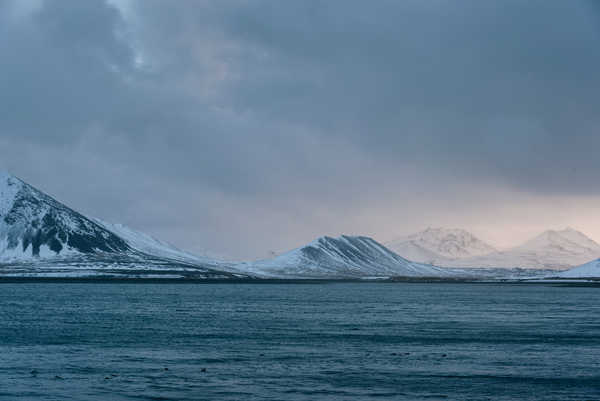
(241, 127)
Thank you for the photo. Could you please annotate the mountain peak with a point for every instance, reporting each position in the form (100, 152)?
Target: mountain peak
(8, 179)
(437, 245)
(566, 230)
(325, 239)
(566, 235)
(33, 224)
(343, 256)
(9, 188)
(4, 174)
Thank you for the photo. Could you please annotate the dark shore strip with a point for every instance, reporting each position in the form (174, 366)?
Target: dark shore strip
(416, 280)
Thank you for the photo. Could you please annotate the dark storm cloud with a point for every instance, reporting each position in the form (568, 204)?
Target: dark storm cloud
(497, 90)
(208, 121)
(59, 67)
(508, 90)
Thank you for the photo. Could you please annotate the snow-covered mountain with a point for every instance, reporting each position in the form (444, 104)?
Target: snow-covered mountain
(552, 249)
(39, 235)
(439, 246)
(587, 270)
(343, 257)
(34, 225)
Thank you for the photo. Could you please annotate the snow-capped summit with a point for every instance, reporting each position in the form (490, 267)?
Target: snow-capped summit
(33, 225)
(341, 257)
(9, 186)
(552, 249)
(439, 245)
(567, 241)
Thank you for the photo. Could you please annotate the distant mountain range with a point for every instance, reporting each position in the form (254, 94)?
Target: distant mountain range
(41, 237)
(552, 249)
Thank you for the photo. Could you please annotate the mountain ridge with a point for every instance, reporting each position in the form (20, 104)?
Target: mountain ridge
(344, 256)
(439, 245)
(457, 248)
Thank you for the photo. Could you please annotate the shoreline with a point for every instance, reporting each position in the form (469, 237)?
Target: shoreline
(591, 282)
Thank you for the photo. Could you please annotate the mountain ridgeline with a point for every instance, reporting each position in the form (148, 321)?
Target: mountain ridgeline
(552, 249)
(345, 256)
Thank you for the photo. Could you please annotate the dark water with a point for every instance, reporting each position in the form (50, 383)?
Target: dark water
(298, 342)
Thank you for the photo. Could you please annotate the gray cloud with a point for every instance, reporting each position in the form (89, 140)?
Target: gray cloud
(244, 126)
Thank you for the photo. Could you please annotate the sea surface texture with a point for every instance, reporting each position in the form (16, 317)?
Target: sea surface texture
(336, 341)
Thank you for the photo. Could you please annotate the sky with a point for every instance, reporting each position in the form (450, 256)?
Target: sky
(244, 127)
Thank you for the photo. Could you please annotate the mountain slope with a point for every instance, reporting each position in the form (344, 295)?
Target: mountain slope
(439, 245)
(149, 245)
(553, 249)
(40, 236)
(587, 270)
(342, 257)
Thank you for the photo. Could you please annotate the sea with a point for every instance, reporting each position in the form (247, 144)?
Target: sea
(314, 341)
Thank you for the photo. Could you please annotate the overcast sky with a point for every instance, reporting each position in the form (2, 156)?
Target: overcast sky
(243, 127)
